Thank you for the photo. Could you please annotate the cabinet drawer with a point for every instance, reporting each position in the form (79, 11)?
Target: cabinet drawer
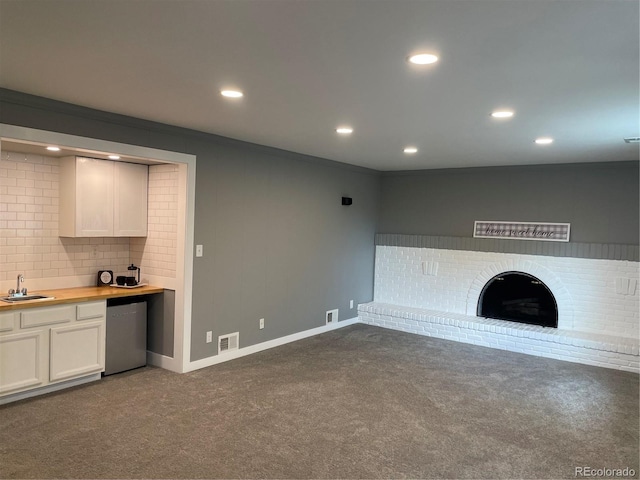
(7, 321)
(47, 316)
(86, 311)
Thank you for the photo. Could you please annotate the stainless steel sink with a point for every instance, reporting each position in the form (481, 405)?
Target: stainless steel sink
(25, 298)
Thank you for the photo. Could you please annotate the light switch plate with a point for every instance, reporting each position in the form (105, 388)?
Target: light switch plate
(199, 250)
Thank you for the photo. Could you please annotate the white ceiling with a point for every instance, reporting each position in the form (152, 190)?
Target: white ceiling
(569, 69)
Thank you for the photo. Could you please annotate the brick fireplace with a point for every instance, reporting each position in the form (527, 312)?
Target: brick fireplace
(518, 297)
(435, 291)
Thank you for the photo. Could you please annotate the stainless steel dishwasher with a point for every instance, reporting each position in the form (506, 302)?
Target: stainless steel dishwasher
(126, 335)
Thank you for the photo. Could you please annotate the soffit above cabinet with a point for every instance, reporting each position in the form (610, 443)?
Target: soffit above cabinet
(35, 148)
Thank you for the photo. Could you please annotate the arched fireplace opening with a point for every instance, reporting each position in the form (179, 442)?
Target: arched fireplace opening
(518, 297)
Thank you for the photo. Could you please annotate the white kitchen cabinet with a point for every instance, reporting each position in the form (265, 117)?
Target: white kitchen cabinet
(39, 317)
(102, 198)
(130, 200)
(45, 345)
(8, 321)
(86, 197)
(76, 350)
(23, 361)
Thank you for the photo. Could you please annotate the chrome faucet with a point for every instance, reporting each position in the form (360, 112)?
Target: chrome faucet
(17, 291)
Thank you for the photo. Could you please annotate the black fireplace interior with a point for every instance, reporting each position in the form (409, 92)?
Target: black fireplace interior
(518, 297)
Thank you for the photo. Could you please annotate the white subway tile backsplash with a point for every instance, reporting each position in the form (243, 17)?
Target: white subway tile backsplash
(158, 256)
(29, 225)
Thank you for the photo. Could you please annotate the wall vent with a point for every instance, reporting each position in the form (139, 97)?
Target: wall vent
(632, 140)
(430, 268)
(331, 316)
(228, 342)
(626, 286)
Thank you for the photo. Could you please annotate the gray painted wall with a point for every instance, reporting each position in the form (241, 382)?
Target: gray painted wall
(600, 200)
(161, 322)
(280, 246)
(278, 243)
(608, 251)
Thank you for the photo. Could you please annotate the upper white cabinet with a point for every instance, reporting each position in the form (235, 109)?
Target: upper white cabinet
(130, 200)
(101, 198)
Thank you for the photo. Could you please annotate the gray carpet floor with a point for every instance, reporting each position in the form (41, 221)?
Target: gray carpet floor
(359, 402)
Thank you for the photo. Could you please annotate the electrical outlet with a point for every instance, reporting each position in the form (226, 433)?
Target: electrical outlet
(261, 323)
(350, 303)
(209, 336)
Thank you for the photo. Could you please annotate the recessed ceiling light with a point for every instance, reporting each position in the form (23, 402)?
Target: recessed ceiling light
(544, 140)
(502, 114)
(344, 130)
(423, 58)
(410, 150)
(231, 93)
(53, 148)
(114, 157)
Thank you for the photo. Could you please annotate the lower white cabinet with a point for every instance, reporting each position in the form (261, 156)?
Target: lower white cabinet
(8, 321)
(40, 346)
(76, 350)
(23, 361)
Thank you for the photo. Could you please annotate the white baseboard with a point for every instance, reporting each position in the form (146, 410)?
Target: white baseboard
(225, 357)
(49, 388)
(162, 361)
(170, 363)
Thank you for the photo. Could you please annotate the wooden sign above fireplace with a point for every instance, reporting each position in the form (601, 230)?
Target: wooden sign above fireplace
(548, 232)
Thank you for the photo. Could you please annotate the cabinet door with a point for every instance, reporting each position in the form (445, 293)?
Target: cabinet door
(76, 350)
(130, 200)
(94, 198)
(23, 361)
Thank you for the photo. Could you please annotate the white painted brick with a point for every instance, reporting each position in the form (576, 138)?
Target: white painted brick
(551, 343)
(583, 287)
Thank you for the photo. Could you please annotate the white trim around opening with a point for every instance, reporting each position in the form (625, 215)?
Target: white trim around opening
(180, 362)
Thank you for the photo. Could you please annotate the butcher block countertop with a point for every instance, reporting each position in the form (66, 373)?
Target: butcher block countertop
(77, 295)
